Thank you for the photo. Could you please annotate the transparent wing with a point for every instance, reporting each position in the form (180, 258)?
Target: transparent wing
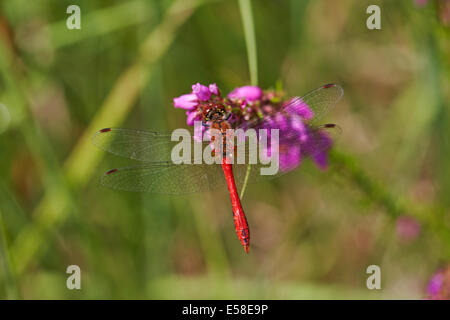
(165, 178)
(320, 100)
(320, 138)
(169, 178)
(139, 145)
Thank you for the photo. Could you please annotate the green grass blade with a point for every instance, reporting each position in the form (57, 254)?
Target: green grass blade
(80, 165)
(245, 7)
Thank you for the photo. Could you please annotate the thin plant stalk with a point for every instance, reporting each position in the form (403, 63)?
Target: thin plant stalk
(245, 7)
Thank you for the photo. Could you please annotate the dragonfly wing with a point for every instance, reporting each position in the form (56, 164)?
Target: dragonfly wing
(320, 138)
(165, 178)
(138, 144)
(320, 100)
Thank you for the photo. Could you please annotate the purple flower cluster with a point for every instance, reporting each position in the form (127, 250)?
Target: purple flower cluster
(439, 285)
(251, 107)
(192, 101)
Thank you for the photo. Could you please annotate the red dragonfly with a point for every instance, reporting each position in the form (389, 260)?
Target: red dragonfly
(160, 175)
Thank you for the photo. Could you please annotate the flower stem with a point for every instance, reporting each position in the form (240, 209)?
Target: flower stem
(245, 7)
(250, 40)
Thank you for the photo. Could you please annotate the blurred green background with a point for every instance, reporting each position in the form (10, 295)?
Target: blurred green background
(314, 233)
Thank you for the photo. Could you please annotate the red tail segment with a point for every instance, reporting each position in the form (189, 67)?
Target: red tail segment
(240, 221)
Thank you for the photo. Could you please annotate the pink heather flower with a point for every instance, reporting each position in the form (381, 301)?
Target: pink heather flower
(291, 159)
(192, 116)
(186, 101)
(435, 285)
(202, 92)
(299, 107)
(250, 93)
(298, 125)
(282, 121)
(321, 159)
(323, 143)
(407, 228)
(296, 139)
(214, 89)
(439, 285)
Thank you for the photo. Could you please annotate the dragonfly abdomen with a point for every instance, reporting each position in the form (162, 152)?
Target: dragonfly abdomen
(240, 221)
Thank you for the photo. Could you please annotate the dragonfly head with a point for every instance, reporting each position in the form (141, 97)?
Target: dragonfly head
(214, 113)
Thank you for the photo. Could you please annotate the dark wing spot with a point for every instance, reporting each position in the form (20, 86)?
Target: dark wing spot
(111, 171)
(105, 130)
(329, 85)
(329, 125)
